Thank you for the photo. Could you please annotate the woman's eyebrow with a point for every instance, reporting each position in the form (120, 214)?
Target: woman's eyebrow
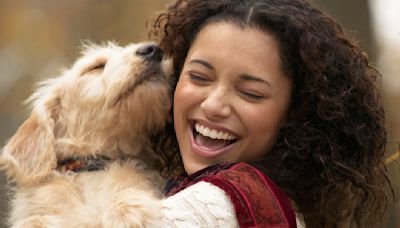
(244, 77)
(203, 62)
(248, 77)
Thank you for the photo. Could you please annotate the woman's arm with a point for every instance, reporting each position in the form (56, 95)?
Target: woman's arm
(200, 205)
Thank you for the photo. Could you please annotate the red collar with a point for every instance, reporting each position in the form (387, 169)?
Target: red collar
(88, 164)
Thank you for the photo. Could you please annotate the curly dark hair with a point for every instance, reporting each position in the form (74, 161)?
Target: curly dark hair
(329, 155)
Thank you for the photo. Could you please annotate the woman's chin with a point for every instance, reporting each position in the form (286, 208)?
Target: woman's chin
(192, 167)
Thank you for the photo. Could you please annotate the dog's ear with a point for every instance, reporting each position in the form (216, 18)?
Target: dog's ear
(29, 155)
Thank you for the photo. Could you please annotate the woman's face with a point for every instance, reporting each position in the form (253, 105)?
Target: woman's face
(231, 98)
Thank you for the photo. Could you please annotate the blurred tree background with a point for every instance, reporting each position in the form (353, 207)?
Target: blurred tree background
(38, 38)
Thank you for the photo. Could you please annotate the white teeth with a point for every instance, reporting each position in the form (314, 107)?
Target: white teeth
(214, 134)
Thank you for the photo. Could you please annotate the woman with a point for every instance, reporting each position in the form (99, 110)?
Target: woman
(270, 93)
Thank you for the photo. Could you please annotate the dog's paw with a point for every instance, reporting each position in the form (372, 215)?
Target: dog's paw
(37, 221)
(133, 208)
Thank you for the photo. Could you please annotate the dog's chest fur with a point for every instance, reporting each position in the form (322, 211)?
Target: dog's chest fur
(84, 198)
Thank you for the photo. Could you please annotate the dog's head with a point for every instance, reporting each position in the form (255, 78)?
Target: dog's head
(108, 103)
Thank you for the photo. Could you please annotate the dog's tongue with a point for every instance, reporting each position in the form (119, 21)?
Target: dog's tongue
(209, 143)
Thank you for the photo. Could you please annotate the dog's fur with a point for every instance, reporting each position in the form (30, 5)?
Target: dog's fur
(107, 104)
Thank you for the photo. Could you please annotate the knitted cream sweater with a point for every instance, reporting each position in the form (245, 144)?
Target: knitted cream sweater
(201, 205)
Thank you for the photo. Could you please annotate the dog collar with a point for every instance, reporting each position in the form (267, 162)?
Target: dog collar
(86, 164)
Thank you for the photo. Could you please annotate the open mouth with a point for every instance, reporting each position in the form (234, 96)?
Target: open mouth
(211, 139)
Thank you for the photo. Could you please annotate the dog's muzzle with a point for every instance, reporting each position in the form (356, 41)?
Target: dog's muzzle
(153, 57)
(152, 70)
(150, 52)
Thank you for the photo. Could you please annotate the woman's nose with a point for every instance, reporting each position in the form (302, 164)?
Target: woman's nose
(217, 104)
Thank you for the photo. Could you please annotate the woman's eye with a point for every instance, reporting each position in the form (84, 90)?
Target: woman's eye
(197, 77)
(253, 96)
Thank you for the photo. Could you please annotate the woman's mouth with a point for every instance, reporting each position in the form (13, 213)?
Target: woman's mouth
(210, 142)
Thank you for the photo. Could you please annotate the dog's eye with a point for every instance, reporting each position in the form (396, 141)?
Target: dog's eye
(99, 66)
(94, 68)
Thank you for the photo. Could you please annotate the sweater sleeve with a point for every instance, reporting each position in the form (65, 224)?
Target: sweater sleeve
(200, 205)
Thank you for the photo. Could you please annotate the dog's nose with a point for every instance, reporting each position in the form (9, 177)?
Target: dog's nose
(150, 52)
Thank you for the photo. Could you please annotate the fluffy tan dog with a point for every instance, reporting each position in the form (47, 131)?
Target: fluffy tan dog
(83, 158)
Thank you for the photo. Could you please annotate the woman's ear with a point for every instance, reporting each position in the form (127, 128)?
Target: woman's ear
(29, 155)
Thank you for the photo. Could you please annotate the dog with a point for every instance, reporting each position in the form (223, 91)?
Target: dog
(83, 158)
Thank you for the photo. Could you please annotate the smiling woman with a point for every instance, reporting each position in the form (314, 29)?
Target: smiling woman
(227, 88)
(277, 118)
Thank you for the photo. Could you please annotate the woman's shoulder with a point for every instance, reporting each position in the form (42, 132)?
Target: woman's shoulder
(184, 181)
(255, 195)
(256, 199)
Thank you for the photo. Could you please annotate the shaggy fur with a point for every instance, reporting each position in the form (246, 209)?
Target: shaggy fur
(107, 104)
